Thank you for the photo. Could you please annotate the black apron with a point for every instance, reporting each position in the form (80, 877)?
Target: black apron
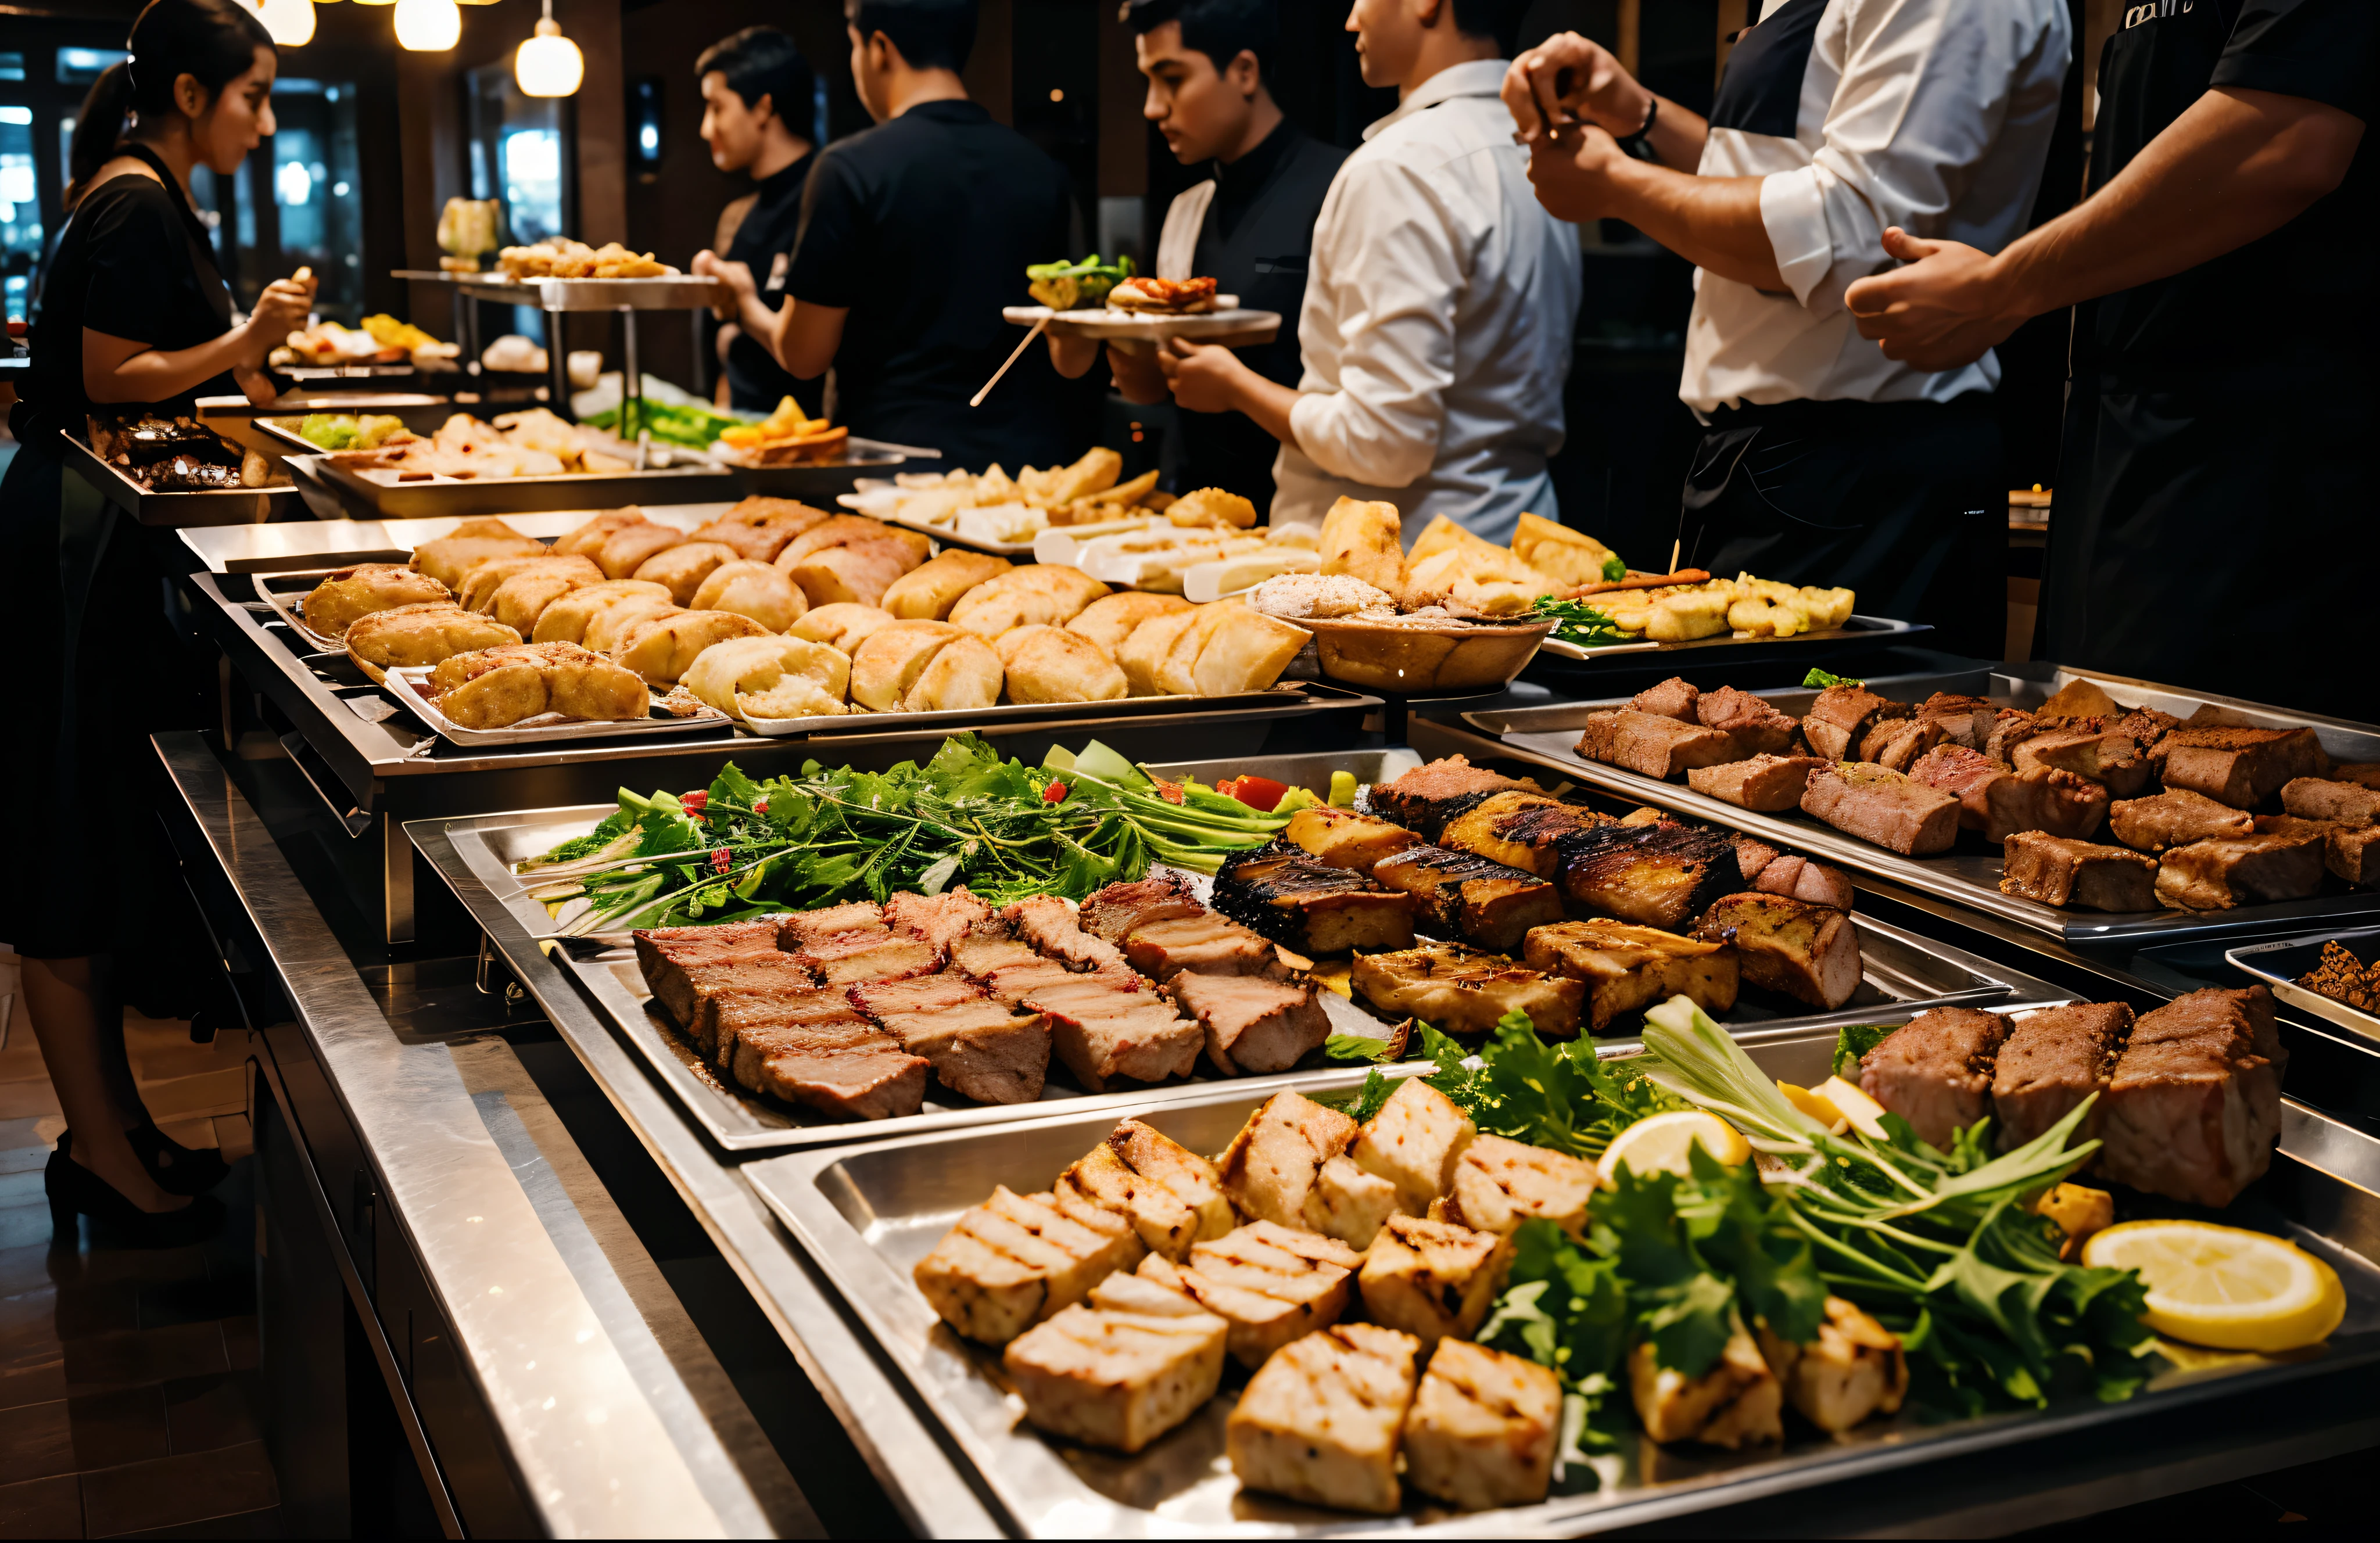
(1904, 502)
(2211, 519)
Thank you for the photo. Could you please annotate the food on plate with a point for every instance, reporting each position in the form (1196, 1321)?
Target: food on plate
(1215, 558)
(417, 635)
(1211, 508)
(494, 688)
(2050, 1062)
(980, 1048)
(1465, 991)
(1433, 1280)
(1413, 1141)
(1774, 872)
(1310, 906)
(2223, 871)
(2193, 1106)
(1111, 619)
(2104, 755)
(1810, 953)
(758, 528)
(1765, 608)
(560, 257)
(1964, 720)
(346, 430)
(1997, 804)
(2224, 1287)
(1289, 1165)
(1320, 1420)
(175, 455)
(1246, 653)
(1756, 724)
(663, 645)
(1345, 839)
(347, 594)
(1362, 541)
(586, 539)
(1049, 665)
(1270, 1284)
(447, 558)
(769, 677)
(1021, 597)
(754, 589)
(890, 670)
(621, 550)
(2239, 767)
(1766, 784)
(1295, 596)
(1937, 1070)
(1149, 295)
(927, 592)
(328, 343)
(1474, 898)
(1471, 577)
(1654, 746)
(1424, 798)
(1065, 285)
(787, 437)
(1115, 1377)
(845, 624)
(2342, 976)
(2320, 799)
(1625, 967)
(1171, 1194)
(1887, 808)
(2061, 870)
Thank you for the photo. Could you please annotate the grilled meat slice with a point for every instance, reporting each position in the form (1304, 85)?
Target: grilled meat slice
(978, 953)
(1883, 807)
(1936, 1070)
(805, 927)
(1109, 1024)
(1116, 1380)
(1998, 803)
(1424, 798)
(1473, 897)
(1111, 914)
(1841, 717)
(2239, 767)
(1310, 906)
(1270, 1283)
(1766, 784)
(822, 1055)
(1520, 830)
(2363, 774)
(2104, 755)
(2146, 727)
(1966, 721)
(1810, 953)
(1655, 875)
(2352, 852)
(1319, 1420)
(937, 919)
(1652, 745)
(1050, 924)
(1251, 1024)
(1767, 869)
(1345, 839)
(1016, 1259)
(1202, 945)
(1457, 990)
(1287, 1165)
(2318, 799)
(1624, 968)
(2009, 729)
(1895, 742)
(2052, 1061)
(2218, 874)
(755, 974)
(1754, 724)
(1499, 1184)
(849, 958)
(2175, 818)
(1674, 698)
(665, 953)
(980, 1049)
(2195, 1105)
(1482, 1427)
(1434, 1280)
(2059, 871)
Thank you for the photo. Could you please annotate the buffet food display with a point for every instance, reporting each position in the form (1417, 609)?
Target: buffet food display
(993, 509)
(176, 455)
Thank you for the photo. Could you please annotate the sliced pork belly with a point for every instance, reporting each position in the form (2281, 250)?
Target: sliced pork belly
(848, 958)
(763, 974)
(1658, 875)
(1051, 925)
(821, 1054)
(1653, 745)
(2194, 1107)
(1771, 871)
(978, 953)
(2239, 767)
(2218, 874)
(1310, 906)
(1109, 1024)
(1936, 1070)
(1111, 913)
(1883, 807)
(2052, 1061)
(1766, 784)
(2174, 818)
(1520, 830)
(938, 920)
(665, 953)
(1810, 953)
(1998, 803)
(816, 926)
(1206, 944)
(1424, 798)
(1345, 839)
(1756, 724)
(980, 1048)
(1251, 1025)
(2059, 871)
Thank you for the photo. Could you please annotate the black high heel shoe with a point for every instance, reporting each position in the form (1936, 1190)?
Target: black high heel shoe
(178, 1170)
(74, 1191)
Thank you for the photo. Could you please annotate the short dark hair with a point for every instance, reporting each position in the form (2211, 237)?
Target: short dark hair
(762, 61)
(1221, 30)
(931, 34)
(1500, 20)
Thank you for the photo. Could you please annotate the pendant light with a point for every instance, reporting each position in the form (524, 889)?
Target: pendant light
(428, 26)
(549, 64)
(290, 23)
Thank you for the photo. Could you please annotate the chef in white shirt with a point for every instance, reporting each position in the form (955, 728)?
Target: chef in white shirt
(1439, 305)
(1822, 462)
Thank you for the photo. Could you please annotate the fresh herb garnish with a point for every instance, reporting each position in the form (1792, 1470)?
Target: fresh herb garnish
(1558, 1097)
(1818, 680)
(1356, 1047)
(1854, 1040)
(1577, 621)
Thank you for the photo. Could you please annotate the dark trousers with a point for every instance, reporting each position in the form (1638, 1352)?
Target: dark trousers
(1902, 501)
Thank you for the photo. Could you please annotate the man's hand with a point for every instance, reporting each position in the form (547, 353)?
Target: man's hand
(1572, 174)
(1138, 377)
(738, 277)
(1942, 311)
(1204, 377)
(1567, 80)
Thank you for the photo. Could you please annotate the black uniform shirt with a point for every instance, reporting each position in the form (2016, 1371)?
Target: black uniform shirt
(1256, 242)
(923, 227)
(764, 243)
(2300, 299)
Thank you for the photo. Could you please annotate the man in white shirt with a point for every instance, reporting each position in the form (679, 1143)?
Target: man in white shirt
(1440, 304)
(1823, 462)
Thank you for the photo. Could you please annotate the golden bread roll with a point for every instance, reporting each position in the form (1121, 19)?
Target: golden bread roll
(519, 602)
(889, 661)
(962, 674)
(759, 527)
(751, 587)
(496, 698)
(1213, 509)
(660, 647)
(1361, 540)
(1051, 664)
(588, 539)
(1569, 558)
(1110, 620)
(1144, 652)
(632, 546)
(857, 574)
(680, 569)
(425, 634)
(448, 557)
(847, 529)
(490, 688)
(566, 619)
(607, 629)
(842, 626)
(927, 593)
(481, 580)
(1177, 675)
(770, 677)
(1248, 654)
(1096, 472)
(349, 593)
(1023, 596)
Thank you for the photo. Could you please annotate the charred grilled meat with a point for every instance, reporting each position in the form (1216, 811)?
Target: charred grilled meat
(1424, 798)
(2193, 1107)
(1998, 803)
(1624, 968)
(1457, 990)
(1310, 906)
(1843, 716)
(1520, 830)
(1655, 875)
(2052, 1061)
(1345, 839)
(2216, 874)
(1471, 896)
(1810, 953)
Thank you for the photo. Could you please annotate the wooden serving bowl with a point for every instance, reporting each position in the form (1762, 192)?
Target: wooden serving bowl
(1417, 659)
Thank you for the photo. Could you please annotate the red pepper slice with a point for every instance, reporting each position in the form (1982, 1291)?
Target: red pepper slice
(1169, 792)
(700, 799)
(1257, 792)
(1054, 794)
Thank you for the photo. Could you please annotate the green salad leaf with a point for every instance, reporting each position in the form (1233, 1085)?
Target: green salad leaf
(1853, 1042)
(1578, 620)
(1818, 680)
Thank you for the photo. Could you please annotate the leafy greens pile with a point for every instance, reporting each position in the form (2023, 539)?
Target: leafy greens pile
(1578, 620)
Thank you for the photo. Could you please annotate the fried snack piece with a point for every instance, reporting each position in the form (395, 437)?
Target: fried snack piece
(848, 530)
(1050, 664)
(1362, 541)
(680, 569)
(662, 648)
(770, 677)
(1145, 651)
(1247, 653)
(588, 539)
(1178, 675)
(901, 668)
(630, 547)
(349, 593)
(1213, 509)
(566, 621)
(521, 601)
(751, 587)
(447, 558)
(857, 572)
(606, 628)
(1024, 595)
(481, 582)
(929, 591)
(493, 688)
(1568, 557)
(420, 634)
(962, 674)
(1112, 619)
(759, 527)
(843, 625)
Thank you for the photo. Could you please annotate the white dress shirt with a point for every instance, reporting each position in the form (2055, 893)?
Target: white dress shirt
(1437, 324)
(1933, 116)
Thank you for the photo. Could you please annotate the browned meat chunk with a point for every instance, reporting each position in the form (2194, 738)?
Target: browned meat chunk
(817, 927)
(2103, 755)
(938, 920)
(1049, 923)
(1345, 839)
(2059, 871)
(1473, 897)
(1520, 830)
(2318, 799)
(665, 953)
(849, 958)
(2194, 1106)
(2352, 852)
(1755, 723)
(2218, 874)
(1655, 875)
(1652, 745)
(1883, 806)
(1810, 953)
(1998, 803)
(1460, 991)
(1310, 906)
(1625, 967)
(1424, 798)
(764, 973)
(2053, 1060)
(1896, 743)
(1766, 784)
(2341, 976)
(1207, 945)
(1843, 716)
(1251, 1024)
(2363, 774)
(1112, 912)
(824, 1056)
(1767, 869)
(2011, 728)
(1966, 721)
(1012, 983)
(977, 954)
(1936, 1070)
(1672, 699)
(1109, 1024)
(2175, 818)
(979, 1049)
(2239, 767)
(2146, 727)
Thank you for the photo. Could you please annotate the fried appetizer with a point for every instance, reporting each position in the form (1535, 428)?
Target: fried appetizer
(493, 688)
(411, 635)
(447, 558)
(1017, 1259)
(662, 648)
(1569, 558)
(630, 547)
(1113, 1378)
(927, 592)
(680, 569)
(750, 587)
(1143, 653)
(349, 593)
(1433, 1279)
(1481, 1429)
(608, 626)
(1497, 1184)
(1023, 596)
(857, 573)
(1624, 966)
(1111, 619)
(1211, 509)
(588, 539)
(1247, 653)
(1413, 1143)
(902, 667)
(1364, 540)
(1287, 1165)
(521, 600)
(483, 580)
(1050, 664)
(759, 527)
(845, 625)
(769, 677)
(1321, 1421)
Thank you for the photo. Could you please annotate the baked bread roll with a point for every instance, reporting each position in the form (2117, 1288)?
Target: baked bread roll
(1143, 653)
(632, 546)
(349, 593)
(844, 625)
(1362, 540)
(1567, 558)
(1021, 597)
(751, 587)
(607, 629)
(448, 557)
(682, 568)
(1051, 664)
(1177, 675)
(964, 675)
(1108, 620)
(493, 688)
(770, 677)
(927, 593)
(566, 619)
(481, 580)
(853, 574)
(889, 661)
(425, 634)
(850, 529)
(1211, 509)
(1247, 653)
(759, 527)
(521, 599)
(588, 539)
(662, 648)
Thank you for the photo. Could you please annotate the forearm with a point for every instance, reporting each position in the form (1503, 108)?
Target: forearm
(1712, 222)
(152, 374)
(1678, 136)
(1267, 403)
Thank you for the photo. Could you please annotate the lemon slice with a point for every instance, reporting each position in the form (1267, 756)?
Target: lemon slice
(2224, 1286)
(1658, 1144)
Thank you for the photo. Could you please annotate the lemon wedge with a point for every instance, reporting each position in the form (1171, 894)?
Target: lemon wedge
(1866, 1115)
(1658, 1144)
(2223, 1286)
(1815, 1106)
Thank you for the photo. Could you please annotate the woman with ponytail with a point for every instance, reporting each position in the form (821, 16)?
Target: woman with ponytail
(133, 314)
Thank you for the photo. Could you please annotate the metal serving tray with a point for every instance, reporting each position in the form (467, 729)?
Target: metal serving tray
(1880, 631)
(406, 685)
(311, 549)
(868, 1214)
(508, 495)
(2279, 963)
(663, 292)
(220, 507)
(1547, 735)
(861, 459)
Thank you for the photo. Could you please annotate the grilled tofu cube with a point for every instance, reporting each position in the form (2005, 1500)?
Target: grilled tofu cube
(1433, 1279)
(1474, 897)
(1482, 1426)
(1737, 1401)
(1153, 1155)
(1310, 906)
(1016, 1259)
(1345, 839)
(1170, 1195)
(1286, 1166)
(1272, 1284)
(1461, 991)
(1116, 1380)
(1623, 966)
(1413, 1142)
(1855, 1369)
(1321, 1421)
(1499, 1184)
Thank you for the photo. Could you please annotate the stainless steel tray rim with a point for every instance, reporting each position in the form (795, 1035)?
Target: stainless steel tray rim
(2304, 997)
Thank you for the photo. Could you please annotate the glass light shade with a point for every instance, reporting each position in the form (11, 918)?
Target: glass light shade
(428, 26)
(549, 64)
(289, 22)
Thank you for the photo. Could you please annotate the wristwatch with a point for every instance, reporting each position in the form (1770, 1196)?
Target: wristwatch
(1639, 145)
